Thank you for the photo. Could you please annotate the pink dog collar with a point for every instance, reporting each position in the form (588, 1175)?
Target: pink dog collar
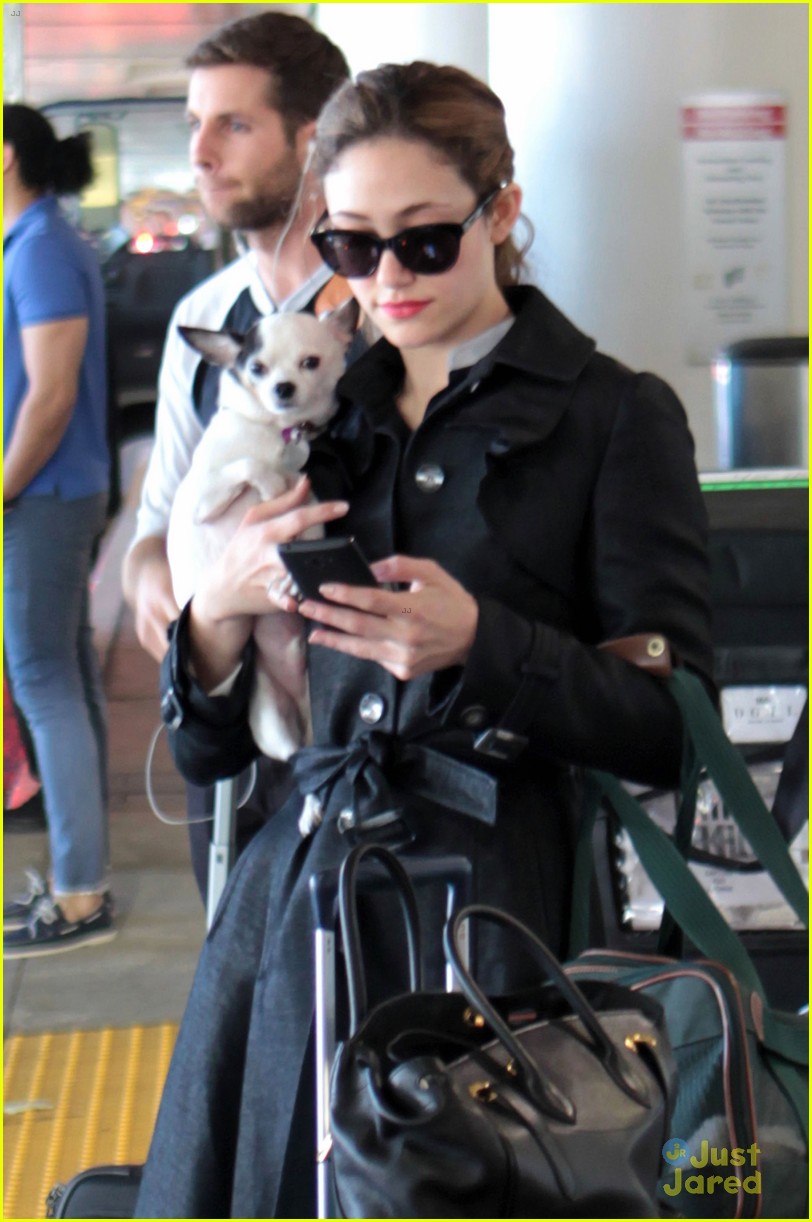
(300, 432)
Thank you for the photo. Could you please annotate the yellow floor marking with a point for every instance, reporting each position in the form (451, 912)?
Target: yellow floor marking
(32, 1073)
(66, 1091)
(88, 1157)
(76, 1100)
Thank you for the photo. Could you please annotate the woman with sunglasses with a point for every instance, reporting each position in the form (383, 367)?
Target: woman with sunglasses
(535, 506)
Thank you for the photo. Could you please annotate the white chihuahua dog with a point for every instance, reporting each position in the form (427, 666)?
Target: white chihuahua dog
(277, 389)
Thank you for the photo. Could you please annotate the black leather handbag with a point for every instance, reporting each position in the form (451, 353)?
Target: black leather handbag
(554, 1103)
(98, 1192)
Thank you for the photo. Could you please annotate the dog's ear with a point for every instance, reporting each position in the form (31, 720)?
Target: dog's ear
(343, 320)
(217, 347)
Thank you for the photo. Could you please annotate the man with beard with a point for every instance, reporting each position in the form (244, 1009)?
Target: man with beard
(256, 89)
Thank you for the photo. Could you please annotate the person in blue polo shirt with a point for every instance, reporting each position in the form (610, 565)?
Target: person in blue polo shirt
(55, 487)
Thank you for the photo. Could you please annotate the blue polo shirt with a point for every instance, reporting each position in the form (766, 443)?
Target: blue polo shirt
(49, 273)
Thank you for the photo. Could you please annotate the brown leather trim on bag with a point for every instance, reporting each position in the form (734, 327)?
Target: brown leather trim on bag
(648, 650)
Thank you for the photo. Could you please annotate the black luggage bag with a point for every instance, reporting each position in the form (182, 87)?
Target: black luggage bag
(98, 1192)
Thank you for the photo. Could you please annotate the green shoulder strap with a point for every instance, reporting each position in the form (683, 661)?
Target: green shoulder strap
(709, 745)
(695, 912)
(742, 800)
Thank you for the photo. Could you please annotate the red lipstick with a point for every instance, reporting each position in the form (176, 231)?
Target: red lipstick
(403, 309)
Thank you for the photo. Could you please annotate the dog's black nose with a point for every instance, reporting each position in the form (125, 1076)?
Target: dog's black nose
(284, 390)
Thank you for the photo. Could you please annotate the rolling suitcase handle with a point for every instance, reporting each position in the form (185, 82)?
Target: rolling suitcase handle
(455, 871)
(222, 850)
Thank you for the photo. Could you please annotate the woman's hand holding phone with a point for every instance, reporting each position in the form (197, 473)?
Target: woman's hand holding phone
(426, 626)
(247, 579)
(313, 562)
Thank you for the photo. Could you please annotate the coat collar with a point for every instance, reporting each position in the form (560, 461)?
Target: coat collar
(542, 342)
(543, 345)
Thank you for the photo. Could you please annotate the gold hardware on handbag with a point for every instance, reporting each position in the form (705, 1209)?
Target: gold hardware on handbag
(634, 1041)
(482, 1091)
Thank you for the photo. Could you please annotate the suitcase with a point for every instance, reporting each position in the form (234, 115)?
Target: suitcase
(98, 1192)
(455, 872)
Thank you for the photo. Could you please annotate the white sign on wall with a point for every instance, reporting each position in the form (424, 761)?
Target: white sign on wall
(734, 183)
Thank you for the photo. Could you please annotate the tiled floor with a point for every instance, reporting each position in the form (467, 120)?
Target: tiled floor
(143, 975)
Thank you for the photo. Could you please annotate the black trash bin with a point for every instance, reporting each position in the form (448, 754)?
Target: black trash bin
(762, 403)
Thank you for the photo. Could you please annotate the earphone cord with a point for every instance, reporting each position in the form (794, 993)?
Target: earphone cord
(185, 820)
(296, 208)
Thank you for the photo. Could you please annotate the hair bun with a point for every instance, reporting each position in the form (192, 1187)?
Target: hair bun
(73, 169)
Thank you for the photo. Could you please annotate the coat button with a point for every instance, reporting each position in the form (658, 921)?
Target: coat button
(474, 717)
(371, 708)
(346, 819)
(429, 477)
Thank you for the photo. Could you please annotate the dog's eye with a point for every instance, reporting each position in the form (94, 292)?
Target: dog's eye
(310, 362)
(257, 369)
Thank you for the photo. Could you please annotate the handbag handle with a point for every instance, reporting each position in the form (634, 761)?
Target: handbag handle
(545, 1094)
(350, 929)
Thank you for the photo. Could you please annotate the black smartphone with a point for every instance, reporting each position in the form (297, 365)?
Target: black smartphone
(312, 562)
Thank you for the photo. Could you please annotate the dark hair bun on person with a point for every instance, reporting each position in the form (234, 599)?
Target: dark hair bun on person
(74, 165)
(46, 163)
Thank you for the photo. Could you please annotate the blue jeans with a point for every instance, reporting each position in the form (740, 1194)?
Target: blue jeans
(55, 675)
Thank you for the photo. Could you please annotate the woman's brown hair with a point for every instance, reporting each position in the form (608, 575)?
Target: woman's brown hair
(459, 116)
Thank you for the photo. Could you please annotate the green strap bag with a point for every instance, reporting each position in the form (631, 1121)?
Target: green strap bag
(743, 1065)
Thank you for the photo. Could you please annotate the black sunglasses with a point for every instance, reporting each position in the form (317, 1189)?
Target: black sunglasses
(427, 250)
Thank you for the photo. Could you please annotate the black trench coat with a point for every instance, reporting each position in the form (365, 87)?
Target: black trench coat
(559, 488)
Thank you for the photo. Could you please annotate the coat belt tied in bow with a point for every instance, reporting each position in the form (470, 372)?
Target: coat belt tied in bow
(377, 761)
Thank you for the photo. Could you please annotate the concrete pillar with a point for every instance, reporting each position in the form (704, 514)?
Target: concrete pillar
(372, 34)
(13, 60)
